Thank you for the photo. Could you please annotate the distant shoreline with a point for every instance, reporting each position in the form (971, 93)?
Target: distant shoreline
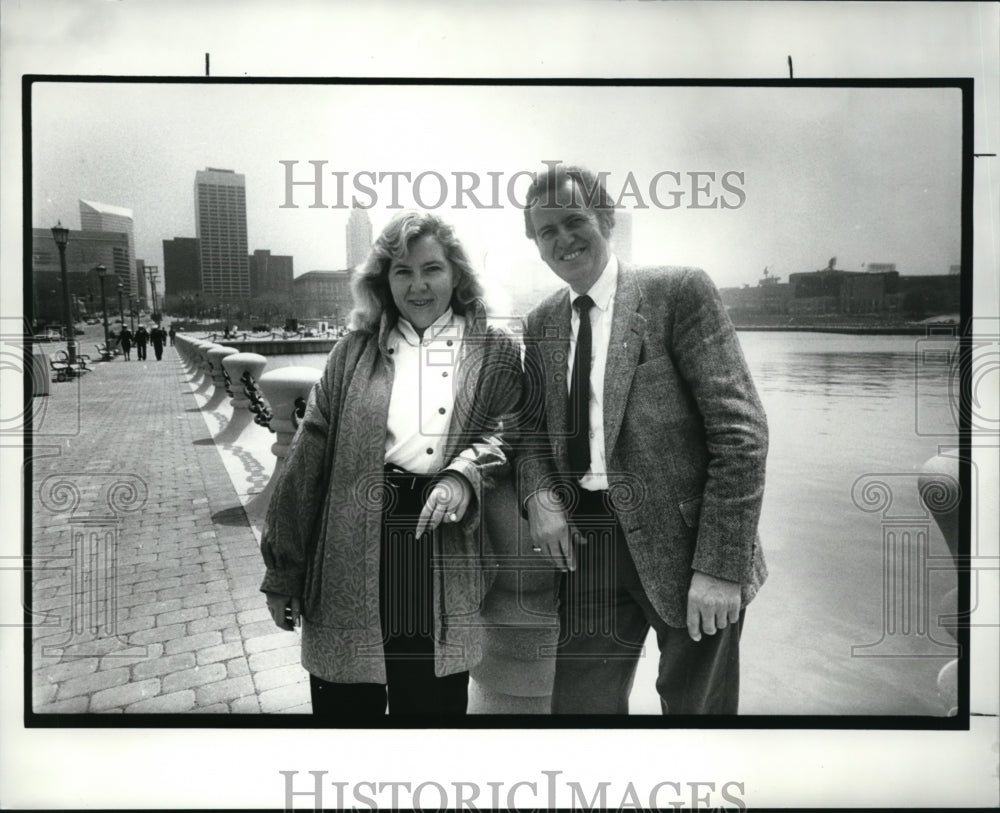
(864, 330)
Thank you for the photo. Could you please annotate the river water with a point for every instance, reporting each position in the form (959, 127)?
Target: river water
(844, 411)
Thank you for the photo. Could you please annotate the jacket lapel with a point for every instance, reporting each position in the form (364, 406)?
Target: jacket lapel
(628, 327)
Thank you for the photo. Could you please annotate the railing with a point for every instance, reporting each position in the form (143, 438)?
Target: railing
(258, 405)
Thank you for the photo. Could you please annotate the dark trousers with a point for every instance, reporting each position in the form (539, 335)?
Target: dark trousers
(140, 352)
(158, 350)
(605, 616)
(406, 611)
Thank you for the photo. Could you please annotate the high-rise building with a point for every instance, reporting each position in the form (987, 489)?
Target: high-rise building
(105, 217)
(359, 237)
(270, 273)
(181, 266)
(85, 252)
(220, 209)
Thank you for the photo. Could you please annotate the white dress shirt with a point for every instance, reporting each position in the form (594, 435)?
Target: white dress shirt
(423, 392)
(603, 294)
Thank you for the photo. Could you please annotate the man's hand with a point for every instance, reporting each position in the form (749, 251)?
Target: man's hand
(551, 534)
(286, 611)
(713, 604)
(448, 502)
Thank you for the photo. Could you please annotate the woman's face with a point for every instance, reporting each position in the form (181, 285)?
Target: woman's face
(422, 282)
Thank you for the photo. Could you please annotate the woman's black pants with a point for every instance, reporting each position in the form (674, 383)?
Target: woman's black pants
(406, 611)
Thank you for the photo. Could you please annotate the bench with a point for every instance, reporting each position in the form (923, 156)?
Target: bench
(63, 369)
(106, 353)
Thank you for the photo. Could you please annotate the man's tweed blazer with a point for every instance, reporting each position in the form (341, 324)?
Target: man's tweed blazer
(684, 430)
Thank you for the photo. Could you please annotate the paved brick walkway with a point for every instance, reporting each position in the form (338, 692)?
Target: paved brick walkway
(143, 602)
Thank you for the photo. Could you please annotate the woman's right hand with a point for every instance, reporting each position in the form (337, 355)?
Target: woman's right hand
(286, 611)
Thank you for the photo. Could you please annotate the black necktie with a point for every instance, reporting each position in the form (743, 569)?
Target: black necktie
(579, 392)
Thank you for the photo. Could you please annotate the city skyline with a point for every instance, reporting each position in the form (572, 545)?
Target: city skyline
(795, 174)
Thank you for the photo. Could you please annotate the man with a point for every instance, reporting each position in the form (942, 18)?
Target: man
(141, 338)
(642, 478)
(158, 336)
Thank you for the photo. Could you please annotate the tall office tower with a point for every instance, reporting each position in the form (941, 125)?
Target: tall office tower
(181, 266)
(85, 251)
(104, 217)
(270, 273)
(359, 237)
(220, 210)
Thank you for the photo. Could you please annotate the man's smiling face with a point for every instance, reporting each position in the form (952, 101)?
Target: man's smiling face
(569, 237)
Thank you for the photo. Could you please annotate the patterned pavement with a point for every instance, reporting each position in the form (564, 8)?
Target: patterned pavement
(145, 572)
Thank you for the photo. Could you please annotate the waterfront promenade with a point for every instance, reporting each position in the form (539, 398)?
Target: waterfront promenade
(145, 570)
(180, 623)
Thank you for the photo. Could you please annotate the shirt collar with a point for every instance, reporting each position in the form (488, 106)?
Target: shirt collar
(440, 325)
(603, 291)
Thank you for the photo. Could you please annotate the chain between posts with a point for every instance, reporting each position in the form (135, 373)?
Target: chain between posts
(299, 411)
(258, 405)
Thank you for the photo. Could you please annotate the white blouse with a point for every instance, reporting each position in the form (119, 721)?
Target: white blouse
(423, 392)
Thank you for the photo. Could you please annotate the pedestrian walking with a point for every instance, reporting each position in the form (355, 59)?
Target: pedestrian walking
(171, 333)
(141, 338)
(157, 336)
(125, 342)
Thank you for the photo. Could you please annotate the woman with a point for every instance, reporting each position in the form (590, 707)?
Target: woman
(373, 531)
(125, 341)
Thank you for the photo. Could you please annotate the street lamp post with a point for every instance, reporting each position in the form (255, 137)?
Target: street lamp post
(61, 235)
(152, 272)
(102, 272)
(131, 313)
(121, 307)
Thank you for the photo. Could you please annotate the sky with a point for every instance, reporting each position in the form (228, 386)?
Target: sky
(795, 175)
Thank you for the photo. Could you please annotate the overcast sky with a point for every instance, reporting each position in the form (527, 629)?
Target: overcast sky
(863, 174)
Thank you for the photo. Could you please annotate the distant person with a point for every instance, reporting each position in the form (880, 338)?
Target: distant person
(125, 342)
(157, 337)
(410, 405)
(141, 339)
(171, 334)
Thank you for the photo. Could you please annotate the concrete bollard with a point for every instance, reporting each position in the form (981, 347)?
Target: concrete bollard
(186, 348)
(203, 366)
(282, 388)
(236, 365)
(940, 493)
(181, 347)
(217, 373)
(518, 666)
